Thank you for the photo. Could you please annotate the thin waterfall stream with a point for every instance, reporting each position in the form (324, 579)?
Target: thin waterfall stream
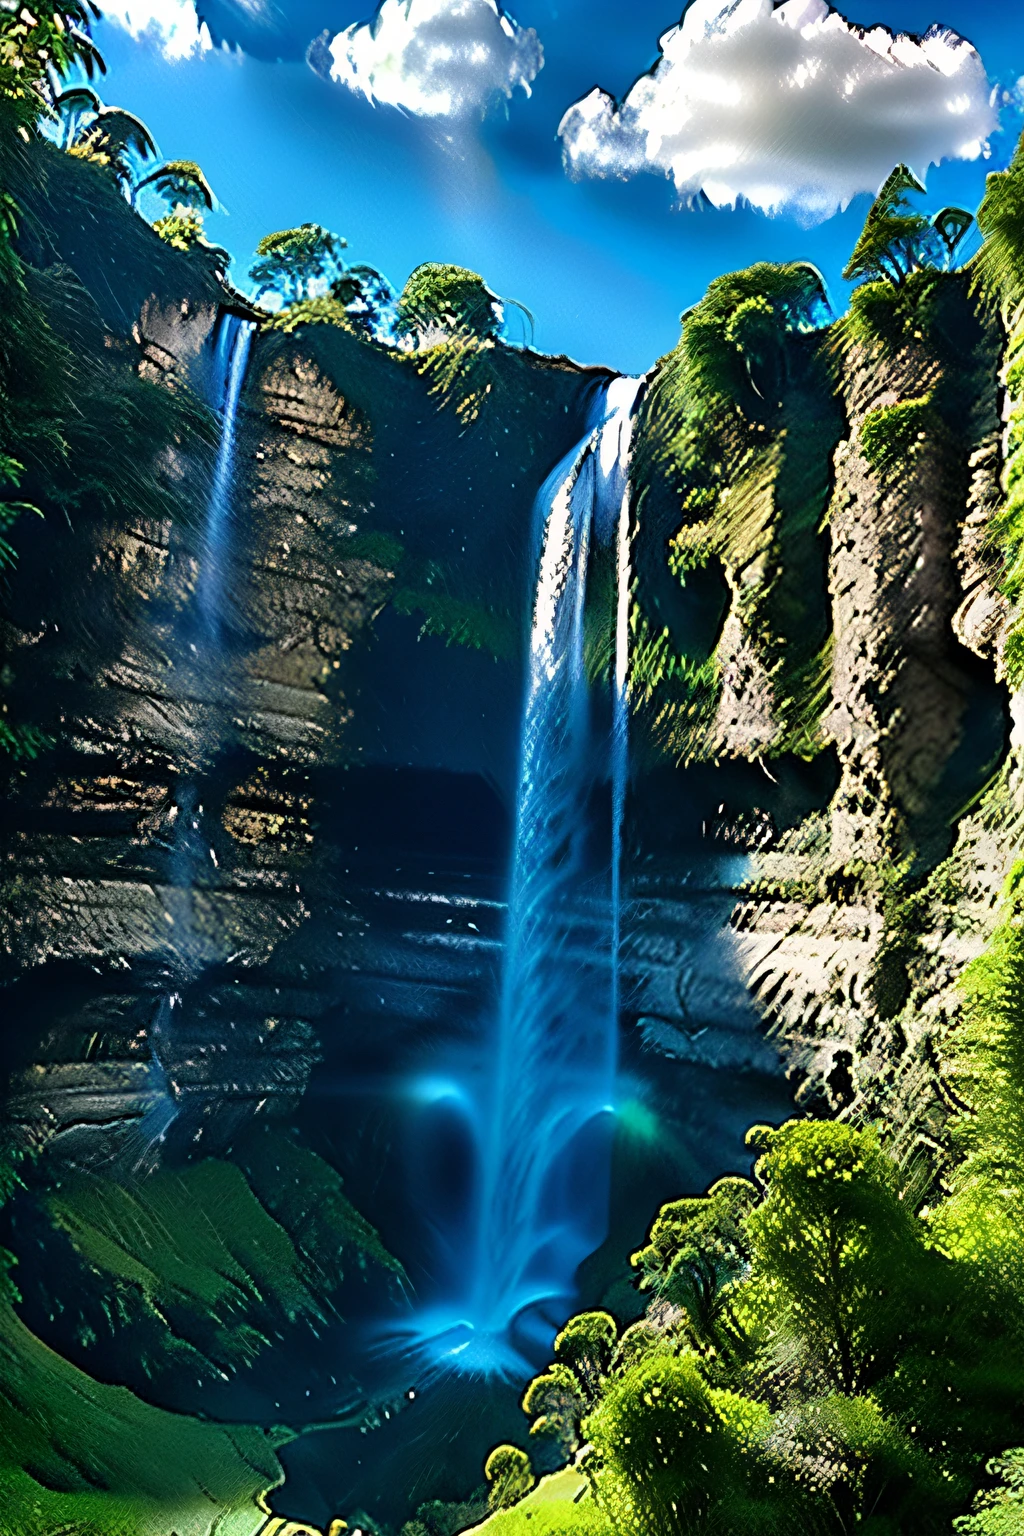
(542, 1120)
(231, 358)
(231, 345)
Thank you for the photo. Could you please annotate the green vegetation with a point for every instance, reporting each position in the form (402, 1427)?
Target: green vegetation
(451, 301)
(893, 435)
(509, 1476)
(202, 1264)
(179, 182)
(115, 140)
(897, 241)
(733, 464)
(428, 588)
(834, 1344)
(291, 261)
(728, 435)
(186, 190)
(321, 311)
(103, 1463)
(82, 435)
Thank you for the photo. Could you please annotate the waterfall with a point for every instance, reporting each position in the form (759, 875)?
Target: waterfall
(543, 1121)
(231, 357)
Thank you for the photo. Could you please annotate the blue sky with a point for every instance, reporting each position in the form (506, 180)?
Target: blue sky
(606, 265)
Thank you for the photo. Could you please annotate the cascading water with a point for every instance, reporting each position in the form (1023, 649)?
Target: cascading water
(543, 1122)
(231, 357)
(201, 634)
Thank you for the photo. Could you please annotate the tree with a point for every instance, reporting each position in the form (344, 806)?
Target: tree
(998, 1511)
(180, 183)
(697, 1249)
(674, 1457)
(509, 1474)
(889, 244)
(998, 267)
(442, 301)
(71, 106)
(292, 260)
(555, 1402)
(585, 1345)
(181, 228)
(830, 1236)
(38, 46)
(367, 296)
(951, 226)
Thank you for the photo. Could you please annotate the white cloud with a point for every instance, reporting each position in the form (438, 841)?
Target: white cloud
(172, 24)
(790, 106)
(437, 58)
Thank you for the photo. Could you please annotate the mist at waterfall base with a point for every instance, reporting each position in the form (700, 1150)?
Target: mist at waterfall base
(513, 1147)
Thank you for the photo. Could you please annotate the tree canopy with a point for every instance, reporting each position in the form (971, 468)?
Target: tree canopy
(40, 45)
(440, 300)
(179, 182)
(291, 261)
(897, 239)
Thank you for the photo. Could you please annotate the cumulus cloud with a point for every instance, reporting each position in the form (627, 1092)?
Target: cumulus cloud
(437, 58)
(787, 105)
(172, 24)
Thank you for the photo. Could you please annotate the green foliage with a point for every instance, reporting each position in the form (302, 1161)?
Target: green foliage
(890, 242)
(439, 299)
(892, 435)
(37, 47)
(672, 1455)
(983, 1221)
(837, 1189)
(205, 1262)
(114, 140)
(509, 1474)
(998, 267)
(103, 1463)
(292, 260)
(585, 1346)
(818, 1357)
(732, 474)
(998, 1511)
(1013, 657)
(304, 1194)
(195, 1248)
(561, 1519)
(83, 435)
(321, 311)
(555, 1401)
(182, 227)
(366, 296)
(696, 1250)
(457, 620)
(440, 1518)
(179, 182)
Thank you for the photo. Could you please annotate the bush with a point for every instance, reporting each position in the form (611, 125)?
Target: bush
(892, 436)
(510, 1475)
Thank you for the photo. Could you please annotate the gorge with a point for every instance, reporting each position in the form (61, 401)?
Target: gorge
(450, 795)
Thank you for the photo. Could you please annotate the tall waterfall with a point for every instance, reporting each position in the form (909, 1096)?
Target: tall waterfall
(231, 357)
(543, 1120)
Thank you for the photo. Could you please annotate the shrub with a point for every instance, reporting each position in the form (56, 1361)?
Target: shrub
(509, 1474)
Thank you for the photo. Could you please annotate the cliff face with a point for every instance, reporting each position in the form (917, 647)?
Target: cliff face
(859, 918)
(173, 830)
(188, 924)
(263, 853)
